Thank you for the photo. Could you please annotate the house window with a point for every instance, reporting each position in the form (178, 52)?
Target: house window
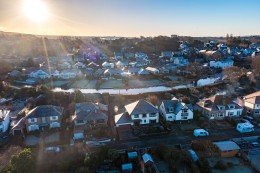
(53, 118)
(136, 116)
(144, 115)
(152, 115)
(221, 107)
(184, 110)
(171, 109)
(230, 113)
(257, 111)
(257, 105)
(144, 121)
(231, 106)
(101, 121)
(32, 120)
(170, 117)
(80, 121)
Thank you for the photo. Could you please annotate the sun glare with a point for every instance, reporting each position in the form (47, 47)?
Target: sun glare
(35, 10)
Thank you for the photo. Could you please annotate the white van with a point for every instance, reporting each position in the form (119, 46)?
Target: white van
(245, 127)
(200, 132)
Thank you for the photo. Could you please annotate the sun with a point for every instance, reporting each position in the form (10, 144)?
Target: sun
(35, 10)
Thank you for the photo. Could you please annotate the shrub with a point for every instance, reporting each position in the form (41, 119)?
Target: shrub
(220, 165)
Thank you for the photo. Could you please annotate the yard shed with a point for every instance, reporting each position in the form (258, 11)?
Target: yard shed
(227, 148)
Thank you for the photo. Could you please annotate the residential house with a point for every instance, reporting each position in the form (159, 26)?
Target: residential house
(40, 74)
(227, 148)
(108, 73)
(140, 56)
(252, 103)
(152, 70)
(70, 74)
(179, 61)
(218, 107)
(166, 54)
(129, 55)
(64, 65)
(139, 112)
(44, 117)
(211, 55)
(4, 120)
(175, 110)
(118, 55)
(79, 65)
(121, 64)
(164, 70)
(133, 70)
(88, 115)
(107, 65)
(222, 63)
(143, 72)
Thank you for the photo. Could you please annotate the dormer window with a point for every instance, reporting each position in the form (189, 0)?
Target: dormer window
(221, 107)
(171, 109)
(231, 106)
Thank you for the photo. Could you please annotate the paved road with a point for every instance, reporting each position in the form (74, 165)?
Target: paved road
(173, 140)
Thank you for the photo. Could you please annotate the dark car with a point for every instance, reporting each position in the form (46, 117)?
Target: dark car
(251, 120)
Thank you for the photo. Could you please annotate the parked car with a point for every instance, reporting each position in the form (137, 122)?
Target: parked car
(245, 127)
(52, 149)
(200, 132)
(251, 120)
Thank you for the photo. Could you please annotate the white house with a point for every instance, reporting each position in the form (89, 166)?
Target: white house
(222, 63)
(141, 56)
(40, 74)
(252, 103)
(153, 70)
(4, 120)
(140, 112)
(175, 110)
(70, 74)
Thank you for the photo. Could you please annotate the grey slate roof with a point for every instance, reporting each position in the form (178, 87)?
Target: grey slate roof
(45, 111)
(122, 118)
(227, 145)
(141, 107)
(88, 112)
(175, 104)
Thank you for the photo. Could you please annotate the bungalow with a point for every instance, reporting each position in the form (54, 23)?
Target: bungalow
(64, 65)
(112, 72)
(140, 56)
(79, 65)
(139, 112)
(121, 64)
(211, 55)
(107, 65)
(143, 72)
(227, 148)
(218, 107)
(175, 110)
(118, 55)
(252, 103)
(40, 74)
(152, 70)
(44, 116)
(88, 115)
(166, 54)
(222, 63)
(129, 55)
(70, 74)
(4, 120)
(133, 70)
(179, 61)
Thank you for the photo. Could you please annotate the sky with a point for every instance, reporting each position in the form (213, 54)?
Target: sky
(132, 18)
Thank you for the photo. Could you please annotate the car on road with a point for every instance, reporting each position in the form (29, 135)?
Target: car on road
(251, 120)
(200, 132)
(52, 149)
